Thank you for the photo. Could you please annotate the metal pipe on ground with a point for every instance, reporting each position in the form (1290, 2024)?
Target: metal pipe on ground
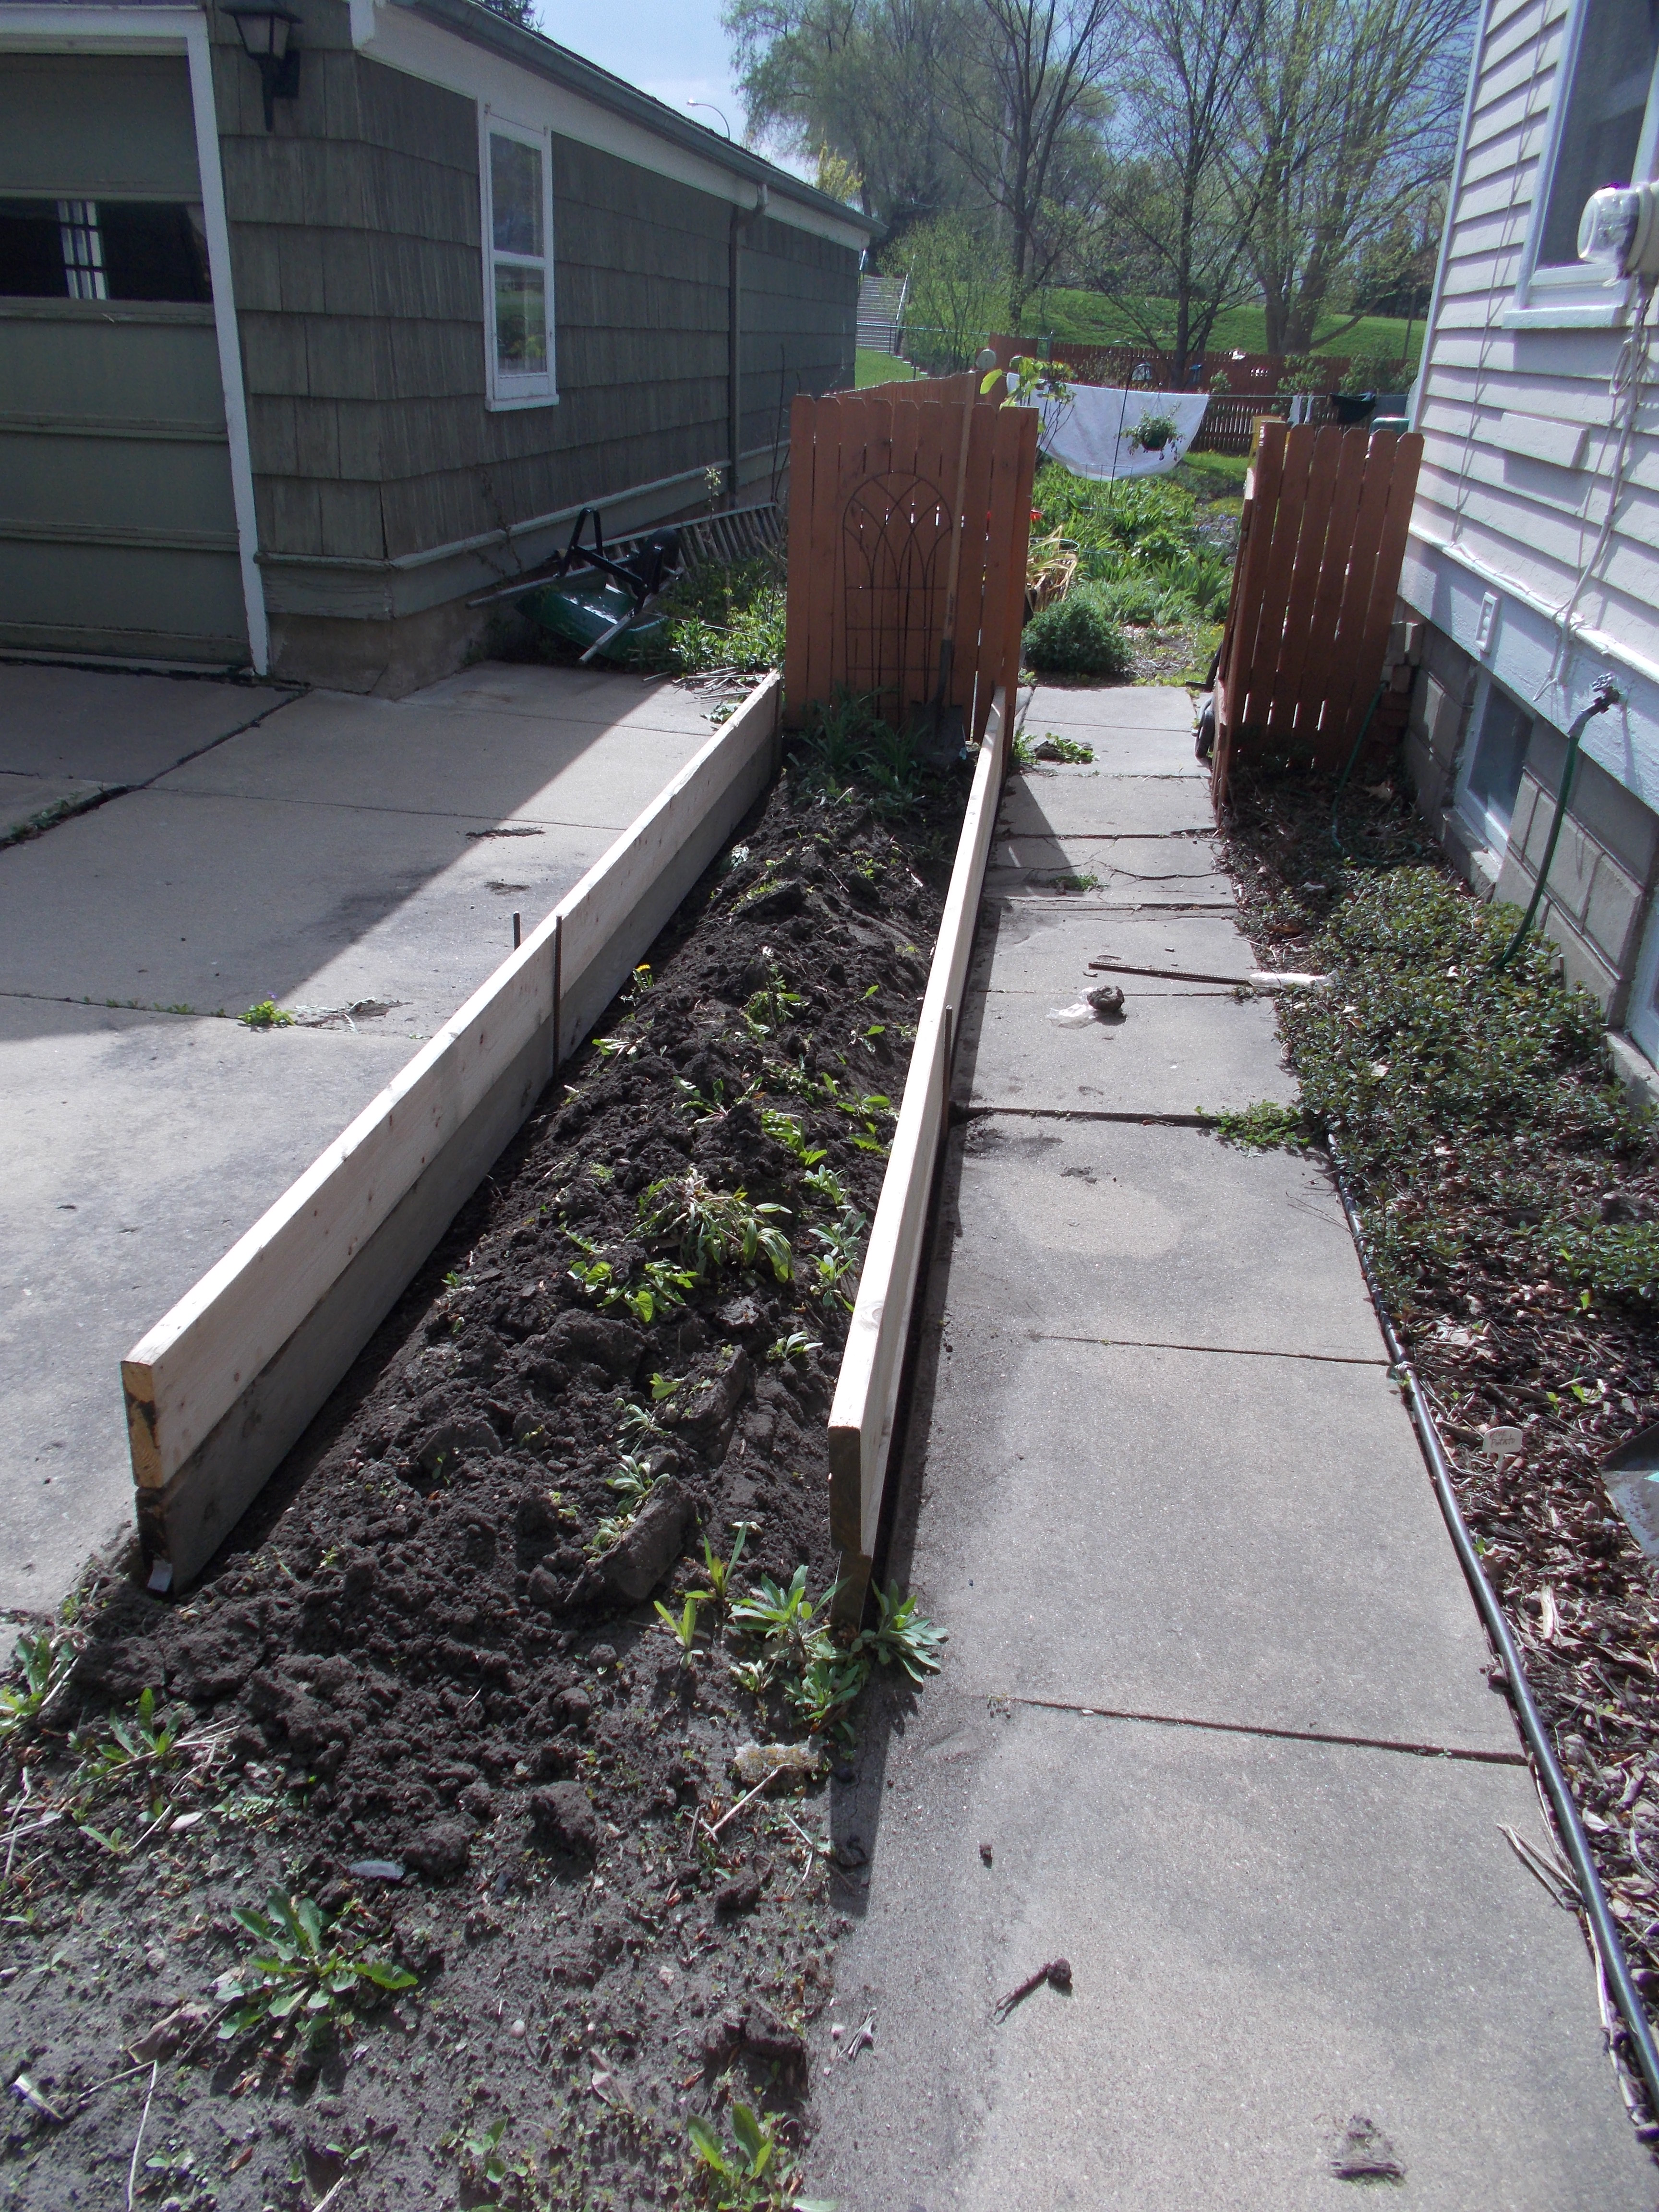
(1604, 1932)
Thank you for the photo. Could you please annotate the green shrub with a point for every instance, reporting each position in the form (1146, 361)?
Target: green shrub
(1076, 637)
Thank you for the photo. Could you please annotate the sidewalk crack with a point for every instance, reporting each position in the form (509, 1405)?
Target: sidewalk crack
(1409, 1747)
(1232, 1351)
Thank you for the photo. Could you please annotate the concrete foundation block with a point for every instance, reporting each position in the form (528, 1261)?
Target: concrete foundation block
(1612, 911)
(1636, 1072)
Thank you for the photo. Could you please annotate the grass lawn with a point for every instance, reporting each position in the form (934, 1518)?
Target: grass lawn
(1086, 319)
(875, 368)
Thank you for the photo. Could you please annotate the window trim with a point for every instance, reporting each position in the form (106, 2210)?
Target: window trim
(1574, 295)
(1472, 811)
(503, 393)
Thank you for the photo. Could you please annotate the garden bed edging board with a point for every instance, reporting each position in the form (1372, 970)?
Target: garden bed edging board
(863, 1415)
(219, 1390)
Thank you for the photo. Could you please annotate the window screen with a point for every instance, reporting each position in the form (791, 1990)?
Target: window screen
(1500, 752)
(1602, 129)
(102, 250)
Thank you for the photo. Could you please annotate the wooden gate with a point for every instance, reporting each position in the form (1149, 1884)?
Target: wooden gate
(1320, 550)
(872, 484)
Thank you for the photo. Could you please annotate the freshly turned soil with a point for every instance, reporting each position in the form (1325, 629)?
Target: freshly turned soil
(1499, 1343)
(419, 1649)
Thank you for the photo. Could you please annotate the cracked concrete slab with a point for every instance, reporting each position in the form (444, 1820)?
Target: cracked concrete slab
(1265, 1939)
(109, 726)
(1146, 870)
(1154, 1234)
(1200, 1054)
(1056, 801)
(1238, 1539)
(1047, 947)
(29, 801)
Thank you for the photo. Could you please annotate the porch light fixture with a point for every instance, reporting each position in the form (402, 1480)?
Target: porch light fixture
(267, 30)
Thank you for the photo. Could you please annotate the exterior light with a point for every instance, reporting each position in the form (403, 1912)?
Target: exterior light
(266, 31)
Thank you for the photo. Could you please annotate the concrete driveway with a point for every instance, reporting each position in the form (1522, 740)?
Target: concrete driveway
(359, 861)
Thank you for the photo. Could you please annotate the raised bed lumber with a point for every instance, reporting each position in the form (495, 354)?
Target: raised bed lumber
(221, 1389)
(863, 1415)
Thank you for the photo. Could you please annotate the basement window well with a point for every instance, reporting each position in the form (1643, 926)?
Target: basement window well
(103, 250)
(517, 229)
(1490, 774)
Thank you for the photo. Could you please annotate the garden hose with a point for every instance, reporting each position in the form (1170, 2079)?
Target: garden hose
(1607, 694)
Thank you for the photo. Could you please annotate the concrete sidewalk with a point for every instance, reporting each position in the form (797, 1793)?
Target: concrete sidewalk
(359, 860)
(1214, 1725)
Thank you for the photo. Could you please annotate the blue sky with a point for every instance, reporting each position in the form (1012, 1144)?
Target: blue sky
(673, 49)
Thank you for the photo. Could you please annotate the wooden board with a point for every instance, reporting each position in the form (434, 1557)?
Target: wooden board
(861, 1418)
(223, 1386)
(1322, 540)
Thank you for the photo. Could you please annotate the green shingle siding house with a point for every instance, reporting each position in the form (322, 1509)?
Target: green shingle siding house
(286, 398)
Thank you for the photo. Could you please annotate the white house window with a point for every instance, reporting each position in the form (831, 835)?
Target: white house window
(519, 277)
(1493, 760)
(83, 249)
(1603, 134)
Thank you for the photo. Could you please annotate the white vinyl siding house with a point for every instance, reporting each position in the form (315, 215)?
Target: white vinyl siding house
(1524, 598)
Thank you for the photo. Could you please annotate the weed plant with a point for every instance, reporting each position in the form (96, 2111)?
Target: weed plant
(303, 1979)
(797, 1660)
(754, 2172)
(720, 614)
(715, 1229)
(44, 1661)
(845, 749)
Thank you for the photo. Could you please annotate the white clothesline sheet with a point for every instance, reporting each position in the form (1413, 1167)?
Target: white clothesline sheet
(1094, 431)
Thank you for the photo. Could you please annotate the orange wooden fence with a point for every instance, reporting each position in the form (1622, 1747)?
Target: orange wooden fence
(873, 482)
(1320, 549)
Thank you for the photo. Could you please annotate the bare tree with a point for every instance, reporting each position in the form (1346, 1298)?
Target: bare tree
(1349, 108)
(1171, 250)
(1025, 121)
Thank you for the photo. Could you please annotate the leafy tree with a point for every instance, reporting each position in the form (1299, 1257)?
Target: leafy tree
(521, 12)
(861, 84)
(1026, 123)
(959, 292)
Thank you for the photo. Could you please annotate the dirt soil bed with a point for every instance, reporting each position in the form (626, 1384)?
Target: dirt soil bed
(429, 1689)
(1511, 1198)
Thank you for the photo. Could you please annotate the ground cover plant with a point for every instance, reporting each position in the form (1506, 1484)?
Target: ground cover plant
(1154, 565)
(721, 616)
(1511, 1196)
(470, 1827)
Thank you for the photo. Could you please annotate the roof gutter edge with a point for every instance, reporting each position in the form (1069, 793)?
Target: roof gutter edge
(531, 50)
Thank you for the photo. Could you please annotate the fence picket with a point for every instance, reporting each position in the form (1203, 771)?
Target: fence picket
(1322, 542)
